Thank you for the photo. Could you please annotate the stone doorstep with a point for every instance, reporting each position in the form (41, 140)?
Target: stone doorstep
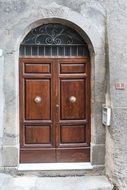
(8, 182)
(55, 169)
(55, 166)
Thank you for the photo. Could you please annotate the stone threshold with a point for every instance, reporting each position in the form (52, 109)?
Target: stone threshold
(55, 166)
(52, 183)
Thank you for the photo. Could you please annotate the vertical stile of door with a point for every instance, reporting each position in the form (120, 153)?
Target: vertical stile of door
(55, 110)
(57, 118)
(52, 104)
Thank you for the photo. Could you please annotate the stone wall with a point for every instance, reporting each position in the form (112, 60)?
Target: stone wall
(116, 134)
(94, 17)
(17, 18)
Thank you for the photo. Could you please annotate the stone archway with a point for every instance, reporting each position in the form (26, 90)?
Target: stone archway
(95, 39)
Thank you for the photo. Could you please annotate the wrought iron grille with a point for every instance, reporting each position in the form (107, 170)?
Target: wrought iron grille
(53, 40)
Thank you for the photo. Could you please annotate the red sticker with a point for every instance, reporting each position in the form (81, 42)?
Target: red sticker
(120, 86)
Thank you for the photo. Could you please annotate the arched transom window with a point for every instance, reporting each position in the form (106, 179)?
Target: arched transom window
(53, 40)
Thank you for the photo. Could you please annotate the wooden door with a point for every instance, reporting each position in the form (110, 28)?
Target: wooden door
(54, 110)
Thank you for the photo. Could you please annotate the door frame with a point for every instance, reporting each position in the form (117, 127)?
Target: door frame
(87, 59)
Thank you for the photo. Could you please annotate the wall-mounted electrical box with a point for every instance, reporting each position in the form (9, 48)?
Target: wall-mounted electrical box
(106, 115)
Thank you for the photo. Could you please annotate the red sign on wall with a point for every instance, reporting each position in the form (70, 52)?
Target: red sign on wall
(120, 86)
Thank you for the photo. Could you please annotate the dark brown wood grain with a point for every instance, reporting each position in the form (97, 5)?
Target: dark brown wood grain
(76, 88)
(69, 134)
(72, 68)
(37, 88)
(37, 134)
(37, 68)
(54, 130)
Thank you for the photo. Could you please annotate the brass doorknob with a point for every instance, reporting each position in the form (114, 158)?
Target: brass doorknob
(72, 99)
(37, 99)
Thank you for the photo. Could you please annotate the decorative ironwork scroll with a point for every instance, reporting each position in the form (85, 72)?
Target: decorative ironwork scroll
(54, 37)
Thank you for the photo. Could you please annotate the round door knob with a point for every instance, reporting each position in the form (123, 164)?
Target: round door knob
(37, 99)
(72, 99)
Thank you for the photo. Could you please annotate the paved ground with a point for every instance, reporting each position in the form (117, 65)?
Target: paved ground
(8, 182)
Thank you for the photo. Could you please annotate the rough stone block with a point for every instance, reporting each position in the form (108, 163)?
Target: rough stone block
(98, 154)
(10, 156)
(100, 90)
(98, 130)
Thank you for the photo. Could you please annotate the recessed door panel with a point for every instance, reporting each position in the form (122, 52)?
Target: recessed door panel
(73, 134)
(37, 99)
(37, 134)
(37, 155)
(73, 99)
(37, 68)
(72, 68)
(73, 154)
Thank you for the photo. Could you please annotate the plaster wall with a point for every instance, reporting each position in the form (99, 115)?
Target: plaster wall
(116, 134)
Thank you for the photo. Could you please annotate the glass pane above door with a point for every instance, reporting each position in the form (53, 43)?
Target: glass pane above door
(53, 40)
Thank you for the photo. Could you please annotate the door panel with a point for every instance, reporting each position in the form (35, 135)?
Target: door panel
(37, 135)
(37, 88)
(37, 68)
(37, 155)
(73, 155)
(72, 68)
(73, 88)
(54, 110)
(72, 134)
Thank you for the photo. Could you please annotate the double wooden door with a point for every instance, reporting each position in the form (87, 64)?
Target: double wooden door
(54, 110)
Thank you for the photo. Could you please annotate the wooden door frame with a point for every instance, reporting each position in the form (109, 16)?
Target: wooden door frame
(87, 59)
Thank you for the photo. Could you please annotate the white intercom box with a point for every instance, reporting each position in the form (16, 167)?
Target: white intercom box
(106, 115)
